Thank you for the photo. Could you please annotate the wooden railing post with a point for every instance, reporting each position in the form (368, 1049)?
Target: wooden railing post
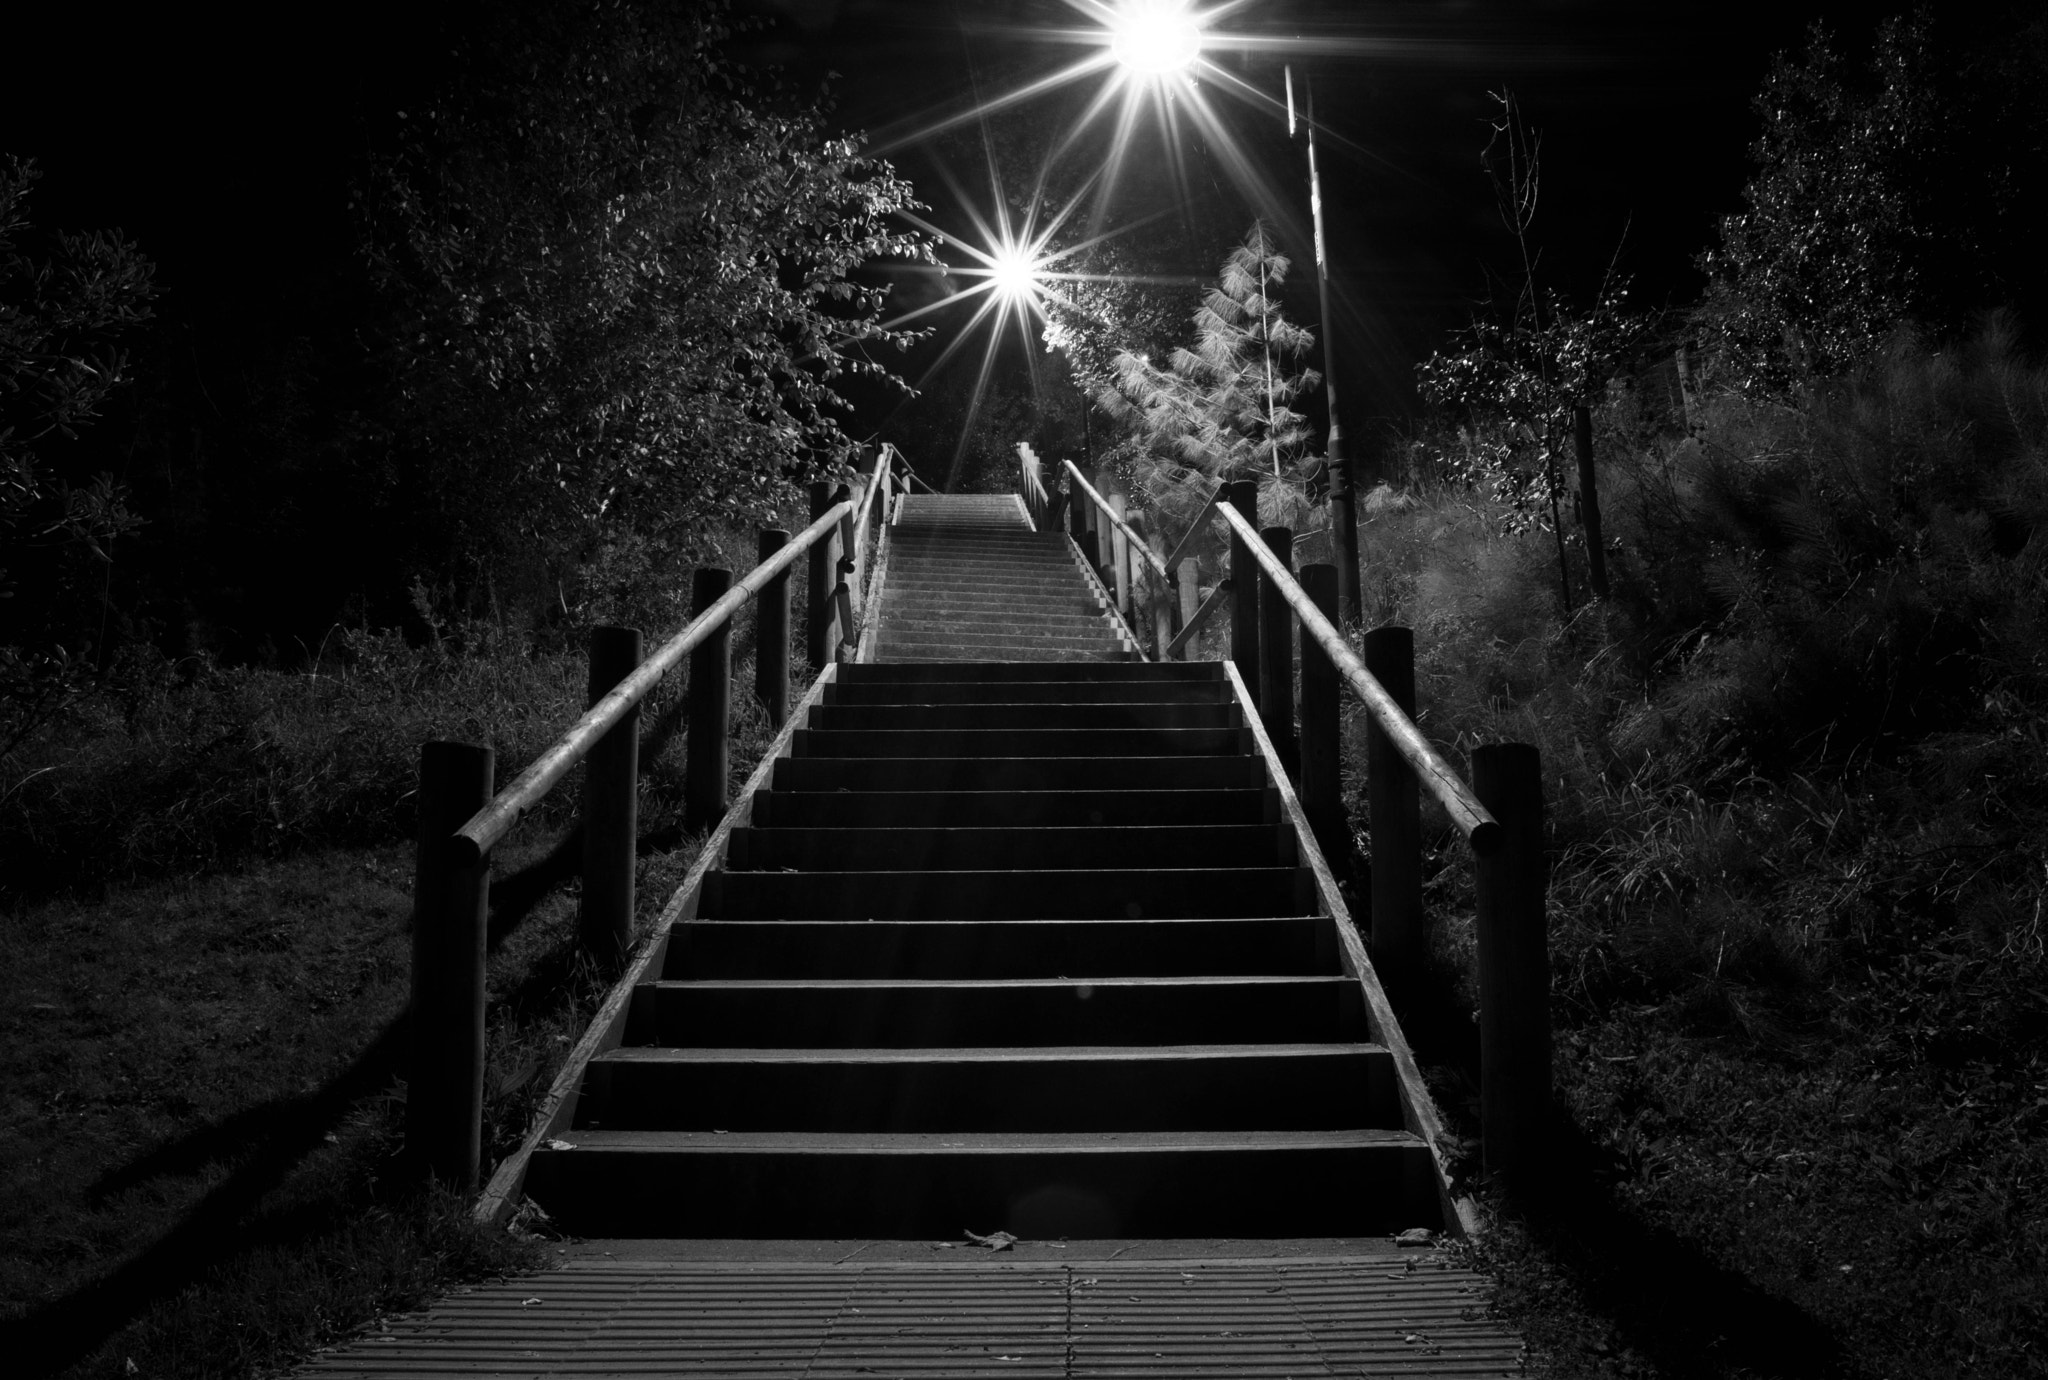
(1244, 581)
(1276, 653)
(1514, 966)
(818, 605)
(1322, 748)
(850, 553)
(1120, 558)
(1162, 603)
(444, 1100)
(771, 635)
(1188, 576)
(709, 716)
(611, 806)
(1394, 803)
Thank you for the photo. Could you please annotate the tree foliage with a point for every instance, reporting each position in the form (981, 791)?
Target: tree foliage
(1224, 409)
(62, 318)
(1529, 359)
(623, 276)
(1830, 255)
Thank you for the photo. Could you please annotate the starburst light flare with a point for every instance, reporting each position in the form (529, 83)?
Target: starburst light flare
(1154, 38)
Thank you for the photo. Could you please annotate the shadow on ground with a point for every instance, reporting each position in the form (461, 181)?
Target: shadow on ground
(265, 1144)
(1664, 1296)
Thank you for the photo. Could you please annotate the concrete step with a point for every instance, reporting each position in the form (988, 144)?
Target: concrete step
(1095, 743)
(993, 713)
(993, 1013)
(938, 655)
(1028, 692)
(1045, 1088)
(871, 673)
(1010, 809)
(1039, 1186)
(1077, 640)
(935, 950)
(1008, 894)
(982, 850)
(941, 625)
(1016, 774)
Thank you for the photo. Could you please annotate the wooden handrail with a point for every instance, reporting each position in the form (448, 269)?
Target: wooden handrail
(495, 820)
(1137, 542)
(1194, 625)
(1472, 818)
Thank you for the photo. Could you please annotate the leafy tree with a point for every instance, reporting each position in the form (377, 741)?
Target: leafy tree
(1523, 367)
(1830, 256)
(1223, 410)
(62, 318)
(623, 278)
(61, 323)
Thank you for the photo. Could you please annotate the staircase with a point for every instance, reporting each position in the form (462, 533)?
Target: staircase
(1005, 943)
(967, 579)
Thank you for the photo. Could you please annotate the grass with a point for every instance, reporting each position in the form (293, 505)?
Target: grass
(1798, 791)
(205, 903)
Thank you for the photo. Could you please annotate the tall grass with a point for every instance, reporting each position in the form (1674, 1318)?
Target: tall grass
(1798, 789)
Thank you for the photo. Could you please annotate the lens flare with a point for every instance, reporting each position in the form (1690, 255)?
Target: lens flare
(1155, 38)
(1014, 271)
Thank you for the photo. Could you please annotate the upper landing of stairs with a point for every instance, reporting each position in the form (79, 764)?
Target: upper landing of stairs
(966, 578)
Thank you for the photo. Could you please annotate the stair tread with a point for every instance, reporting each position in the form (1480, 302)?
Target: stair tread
(992, 984)
(670, 1054)
(977, 1142)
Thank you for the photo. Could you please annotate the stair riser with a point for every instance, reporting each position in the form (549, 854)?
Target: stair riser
(882, 673)
(1009, 809)
(1016, 774)
(952, 628)
(1098, 743)
(1304, 1011)
(1018, 895)
(940, 950)
(1021, 653)
(1293, 1092)
(1029, 692)
(1254, 1193)
(957, 849)
(1013, 717)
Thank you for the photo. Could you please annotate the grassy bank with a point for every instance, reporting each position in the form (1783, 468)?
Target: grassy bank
(205, 899)
(1798, 794)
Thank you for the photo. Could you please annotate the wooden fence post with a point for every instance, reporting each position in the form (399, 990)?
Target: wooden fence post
(1394, 803)
(1162, 602)
(850, 552)
(1276, 654)
(709, 717)
(771, 634)
(1120, 558)
(611, 806)
(1244, 591)
(444, 1100)
(1514, 966)
(1188, 575)
(1322, 748)
(818, 607)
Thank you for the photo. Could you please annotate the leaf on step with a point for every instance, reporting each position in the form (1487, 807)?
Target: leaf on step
(1415, 1236)
(995, 1240)
(560, 1145)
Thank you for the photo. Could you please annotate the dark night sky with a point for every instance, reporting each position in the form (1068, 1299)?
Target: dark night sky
(224, 143)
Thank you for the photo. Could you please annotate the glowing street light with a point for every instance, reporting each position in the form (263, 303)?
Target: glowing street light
(1014, 273)
(1155, 38)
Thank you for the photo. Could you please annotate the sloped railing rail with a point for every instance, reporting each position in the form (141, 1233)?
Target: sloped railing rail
(1499, 814)
(462, 818)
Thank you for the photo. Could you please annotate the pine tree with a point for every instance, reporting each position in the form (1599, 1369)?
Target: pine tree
(1223, 410)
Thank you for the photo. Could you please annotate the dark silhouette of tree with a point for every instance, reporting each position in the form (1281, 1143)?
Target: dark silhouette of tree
(621, 278)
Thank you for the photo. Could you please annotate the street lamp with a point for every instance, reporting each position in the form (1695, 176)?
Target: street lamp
(1155, 38)
(1152, 39)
